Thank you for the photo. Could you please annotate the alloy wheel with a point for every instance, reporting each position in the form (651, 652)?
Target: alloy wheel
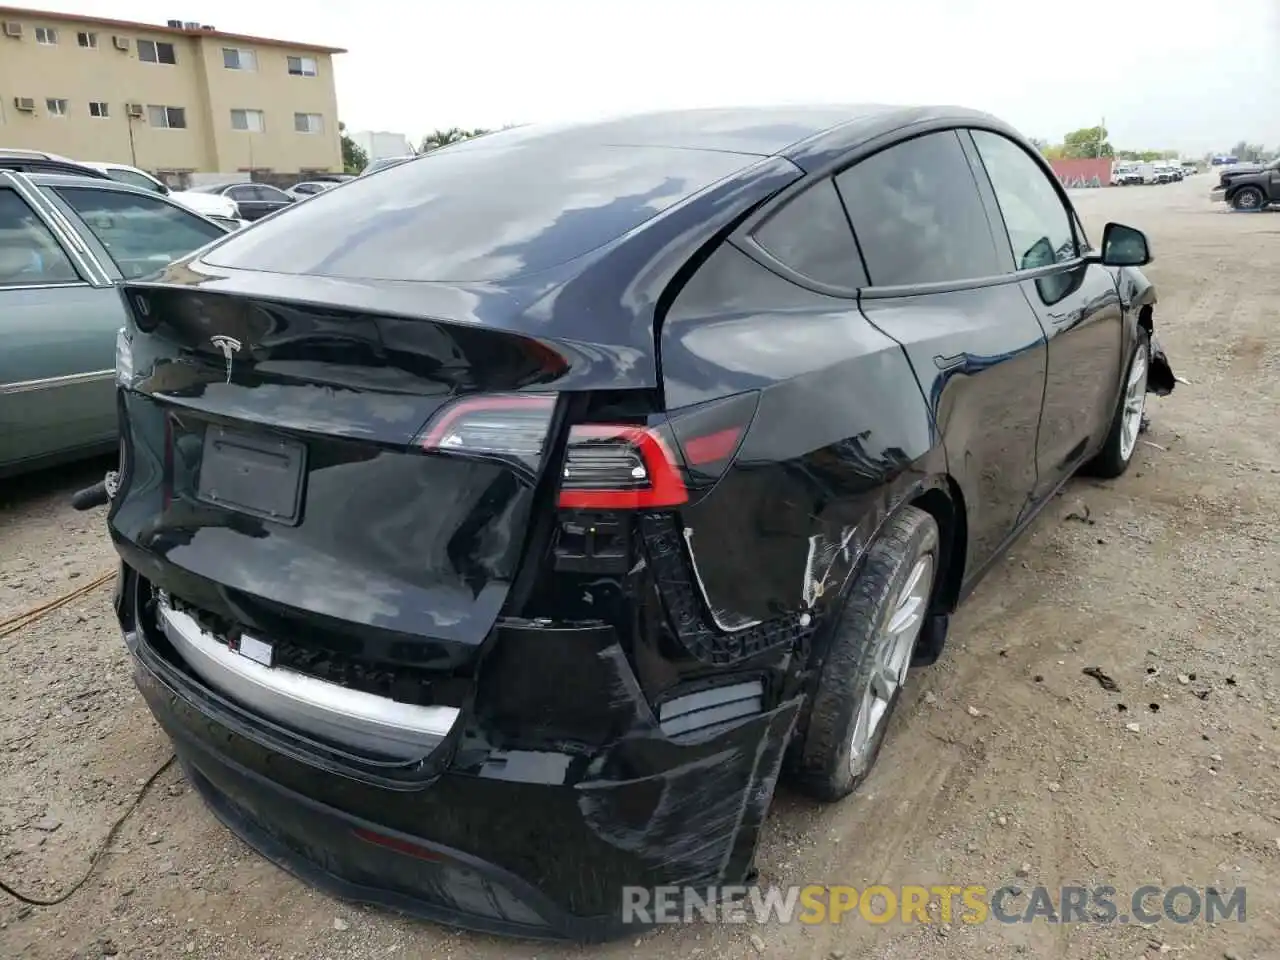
(1135, 401)
(890, 659)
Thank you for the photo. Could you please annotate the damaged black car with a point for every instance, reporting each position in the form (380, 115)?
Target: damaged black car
(498, 530)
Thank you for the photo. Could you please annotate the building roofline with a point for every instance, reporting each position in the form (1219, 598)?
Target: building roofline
(28, 13)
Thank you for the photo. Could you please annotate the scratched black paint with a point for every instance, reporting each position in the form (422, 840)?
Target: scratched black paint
(562, 636)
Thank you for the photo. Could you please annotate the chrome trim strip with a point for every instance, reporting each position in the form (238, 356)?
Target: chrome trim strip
(56, 285)
(350, 717)
(46, 383)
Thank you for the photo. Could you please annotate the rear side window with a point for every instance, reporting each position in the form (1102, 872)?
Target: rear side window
(1038, 223)
(501, 206)
(142, 233)
(29, 254)
(918, 215)
(811, 235)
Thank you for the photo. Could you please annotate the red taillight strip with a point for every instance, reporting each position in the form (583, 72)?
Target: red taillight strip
(666, 488)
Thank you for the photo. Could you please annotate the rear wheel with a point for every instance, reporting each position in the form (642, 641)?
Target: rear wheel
(1248, 198)
(866, 665)
(1117, 453)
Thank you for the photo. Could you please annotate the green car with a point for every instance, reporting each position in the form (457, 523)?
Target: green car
(65, 242)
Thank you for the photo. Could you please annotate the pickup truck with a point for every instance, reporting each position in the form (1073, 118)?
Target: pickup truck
(1249, 187)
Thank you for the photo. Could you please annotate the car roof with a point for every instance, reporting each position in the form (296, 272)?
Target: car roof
(805, 134)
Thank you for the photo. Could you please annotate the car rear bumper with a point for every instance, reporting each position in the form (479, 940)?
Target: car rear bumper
(537, 840)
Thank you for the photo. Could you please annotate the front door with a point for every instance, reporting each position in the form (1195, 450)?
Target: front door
(1075, 300)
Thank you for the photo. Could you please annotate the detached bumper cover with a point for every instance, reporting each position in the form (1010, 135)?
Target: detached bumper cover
(531, 834)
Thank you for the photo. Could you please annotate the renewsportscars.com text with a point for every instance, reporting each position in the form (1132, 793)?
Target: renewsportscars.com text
(971, 904)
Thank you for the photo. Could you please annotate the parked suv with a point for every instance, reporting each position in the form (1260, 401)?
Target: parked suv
(495, 529)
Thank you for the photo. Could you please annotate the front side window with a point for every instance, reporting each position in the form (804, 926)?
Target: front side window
(811, 235)
(918, 215)
(29, 254)
(142, 234)
(264, 191)
(1038, 223)
(251, 121)
(302, 66)
(153, 51)
(245, 192)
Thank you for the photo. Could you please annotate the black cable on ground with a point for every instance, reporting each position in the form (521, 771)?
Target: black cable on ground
(102, 848)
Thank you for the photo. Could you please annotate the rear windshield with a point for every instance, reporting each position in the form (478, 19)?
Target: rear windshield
(506, 207)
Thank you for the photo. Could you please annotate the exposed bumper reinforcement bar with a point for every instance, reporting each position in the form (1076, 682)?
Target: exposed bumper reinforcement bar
(355, 719)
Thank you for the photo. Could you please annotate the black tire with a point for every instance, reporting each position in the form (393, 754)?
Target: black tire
(1248, 198)
(823, 767)
(1113, 459)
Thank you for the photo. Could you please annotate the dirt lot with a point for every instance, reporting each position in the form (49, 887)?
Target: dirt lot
(1173, 580)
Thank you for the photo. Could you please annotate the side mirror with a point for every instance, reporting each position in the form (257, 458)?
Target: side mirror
(1124, 246)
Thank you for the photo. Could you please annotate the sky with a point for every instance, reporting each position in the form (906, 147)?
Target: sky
(1178, 75)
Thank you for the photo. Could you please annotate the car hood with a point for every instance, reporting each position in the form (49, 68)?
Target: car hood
(209, 204)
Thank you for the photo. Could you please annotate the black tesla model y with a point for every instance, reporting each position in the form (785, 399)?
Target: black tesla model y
(496, 531)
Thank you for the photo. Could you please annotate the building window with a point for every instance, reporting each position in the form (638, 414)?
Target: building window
(236, 59)
(171, 118)
(47, 36)
(98, 108)
(56, 106)
(152, 51)
(308, 122)
(302, 66)
(87, 40)
(250, 121)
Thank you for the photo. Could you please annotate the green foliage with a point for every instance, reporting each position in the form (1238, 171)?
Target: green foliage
(1087, 142)
(354, 159)
(442, 138)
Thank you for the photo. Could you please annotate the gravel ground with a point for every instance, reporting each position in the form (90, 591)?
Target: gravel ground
(1004, 759)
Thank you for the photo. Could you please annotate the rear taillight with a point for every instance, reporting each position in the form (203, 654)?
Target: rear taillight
(620, 467)
(607, 466)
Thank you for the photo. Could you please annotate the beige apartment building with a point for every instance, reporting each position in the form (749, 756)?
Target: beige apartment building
(172, 99)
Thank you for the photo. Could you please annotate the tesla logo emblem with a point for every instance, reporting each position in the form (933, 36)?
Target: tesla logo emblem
(229, 346)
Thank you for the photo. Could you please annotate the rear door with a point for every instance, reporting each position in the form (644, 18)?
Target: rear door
(58, 320)
(1076, 302)
(938, 288)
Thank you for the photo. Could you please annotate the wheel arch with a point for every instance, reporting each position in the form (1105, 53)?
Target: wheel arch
(944, 501)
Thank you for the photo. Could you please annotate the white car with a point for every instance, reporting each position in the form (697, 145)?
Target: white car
(210, 205)
(309, 188)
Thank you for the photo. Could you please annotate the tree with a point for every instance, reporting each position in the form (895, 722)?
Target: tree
(442, 138)
(1087, 142)
(354, 159)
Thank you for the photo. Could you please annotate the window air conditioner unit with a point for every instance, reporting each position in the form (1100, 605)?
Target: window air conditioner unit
(25, 104)
(174, 24)
(133, 109)
(190, 25)
(120, 43)
(12, 28)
